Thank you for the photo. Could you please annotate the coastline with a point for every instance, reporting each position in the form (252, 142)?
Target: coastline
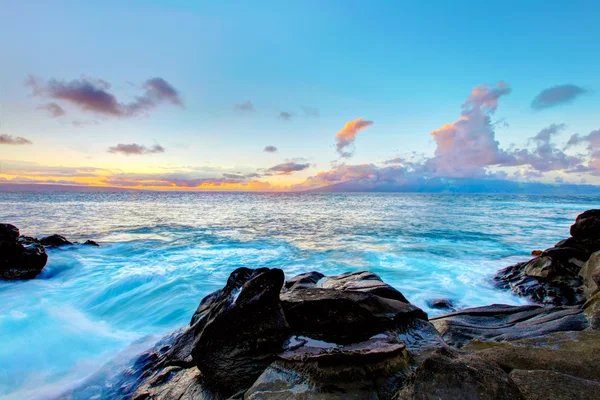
(497, 351)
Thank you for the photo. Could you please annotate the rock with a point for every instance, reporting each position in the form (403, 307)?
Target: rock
(343, 317)
(545, 279)
(54, 241)
(310, 369)
(590, 273)
(19, 260)
(27, 240)
(502, 322)
(587, 225)
(174, 383)
(240, 330)
(309, 279)
(442, 304)
(363, 281)
(553, 276)
(592, 311)
(8, 233)
(549, 385)
(448, 374)
(587, 245)
(571, 353)
(91, 243)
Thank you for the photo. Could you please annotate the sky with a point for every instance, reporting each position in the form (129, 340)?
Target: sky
(294, 95)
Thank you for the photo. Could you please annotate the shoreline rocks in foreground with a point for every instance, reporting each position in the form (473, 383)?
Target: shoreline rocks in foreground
(24, 257)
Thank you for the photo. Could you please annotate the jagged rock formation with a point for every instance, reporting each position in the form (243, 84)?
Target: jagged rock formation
(19, 260)
(553, 277)
(24, 257)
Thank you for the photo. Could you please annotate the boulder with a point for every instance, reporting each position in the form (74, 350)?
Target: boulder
(571, 353)
(8, 233)
(500, 322)
(587, 225)
(314, 369)
(550, 385)
(19, 260)
(344, 309)
(239, 331)
(448, 374)
(344, 317)
(363, 281)
(590, 273)
(91, 243)
(27, 240)
(552, 278)
(441, 304)
(54, 241)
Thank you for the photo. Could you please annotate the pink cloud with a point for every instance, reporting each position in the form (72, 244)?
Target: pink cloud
(346, 136)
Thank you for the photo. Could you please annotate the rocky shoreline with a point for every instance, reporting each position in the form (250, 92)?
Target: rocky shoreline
(24, 257)
(352, 336)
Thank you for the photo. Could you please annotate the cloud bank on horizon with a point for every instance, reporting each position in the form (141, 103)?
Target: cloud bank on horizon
(464, 149)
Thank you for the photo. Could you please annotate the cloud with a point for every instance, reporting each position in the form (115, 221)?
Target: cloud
(93, 95)
(135, 149)
(54, 109)
(346, 136)
(592, 143)
(13, 140)
(286, 116)
(287, 168)
(592, 140)
(467, 148)
(557, 95)
(245, 106)
(311, 111)
(270, 149)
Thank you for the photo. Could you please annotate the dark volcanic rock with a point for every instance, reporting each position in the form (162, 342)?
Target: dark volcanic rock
(240, 330)
(363, 281)
(8, 233)
(442, 304)
(501, 322)
(27, 240)
(54, 241)
(18, 260)
(553, 276)
(587, 225)
(346, 309)
(542, 385)
(544, 280)
(447, 374)
(91, 243)
(310, 369)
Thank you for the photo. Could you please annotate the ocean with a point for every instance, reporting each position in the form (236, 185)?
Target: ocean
(161, 253)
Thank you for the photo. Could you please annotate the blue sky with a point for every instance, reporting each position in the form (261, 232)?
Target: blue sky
(406, 66)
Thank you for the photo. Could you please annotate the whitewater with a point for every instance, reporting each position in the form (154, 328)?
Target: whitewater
(161, 253)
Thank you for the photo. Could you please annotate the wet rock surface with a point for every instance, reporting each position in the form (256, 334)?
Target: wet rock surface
(19, 260)
(553, 277)
(24, 257)
(449, 374)
(506, 323)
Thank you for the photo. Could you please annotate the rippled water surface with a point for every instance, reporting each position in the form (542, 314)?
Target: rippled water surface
(162, 252)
